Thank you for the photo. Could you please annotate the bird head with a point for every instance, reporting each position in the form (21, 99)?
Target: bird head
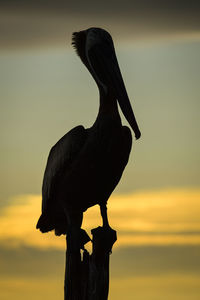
(95, 48)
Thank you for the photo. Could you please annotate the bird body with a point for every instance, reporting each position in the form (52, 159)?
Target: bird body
(83, 169)
(85, 165)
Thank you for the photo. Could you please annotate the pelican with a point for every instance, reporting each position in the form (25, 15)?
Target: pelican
(85, 165)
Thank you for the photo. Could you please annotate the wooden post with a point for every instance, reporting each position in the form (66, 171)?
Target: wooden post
(103, 240)
(72, 270)
(88, 279)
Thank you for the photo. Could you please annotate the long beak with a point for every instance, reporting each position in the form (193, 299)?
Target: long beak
(104, 62)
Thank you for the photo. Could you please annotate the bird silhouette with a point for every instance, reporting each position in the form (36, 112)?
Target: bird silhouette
(85, 165)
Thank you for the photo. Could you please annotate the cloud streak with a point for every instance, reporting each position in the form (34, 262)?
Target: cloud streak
(34, 23)
(148, 218)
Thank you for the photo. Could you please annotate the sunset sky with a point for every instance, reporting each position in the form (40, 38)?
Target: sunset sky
(45, 91)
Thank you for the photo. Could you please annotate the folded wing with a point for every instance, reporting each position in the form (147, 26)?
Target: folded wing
(60, 159)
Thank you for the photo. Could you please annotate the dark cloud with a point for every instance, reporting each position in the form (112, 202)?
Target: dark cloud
(43, 22)
(107, 7)
(31, 262)
(132, 261)
(156, 260)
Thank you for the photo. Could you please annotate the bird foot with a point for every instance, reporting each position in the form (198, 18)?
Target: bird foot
(76, 239)
(103, 239)
(84, 238)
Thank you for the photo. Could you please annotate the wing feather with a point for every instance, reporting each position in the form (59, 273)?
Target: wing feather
(60, 158)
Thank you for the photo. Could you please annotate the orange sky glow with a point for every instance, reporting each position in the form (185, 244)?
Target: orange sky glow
(168, 216)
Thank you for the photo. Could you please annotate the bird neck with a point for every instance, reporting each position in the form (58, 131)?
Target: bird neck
(108, 104)
(108, 110)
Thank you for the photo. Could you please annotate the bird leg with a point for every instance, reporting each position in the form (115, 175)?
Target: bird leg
(77, 237)
(104, 215)
(103, 237)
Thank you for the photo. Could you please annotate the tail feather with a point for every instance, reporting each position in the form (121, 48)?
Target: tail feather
(45, 223)
(58, 223)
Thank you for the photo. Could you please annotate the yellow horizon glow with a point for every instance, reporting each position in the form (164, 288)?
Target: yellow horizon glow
(162, 217)
(180, 286)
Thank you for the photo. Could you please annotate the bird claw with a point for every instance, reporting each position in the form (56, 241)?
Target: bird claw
(84, 238)
(76, 239)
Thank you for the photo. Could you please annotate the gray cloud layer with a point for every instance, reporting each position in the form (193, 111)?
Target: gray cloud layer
(111, 7)
(51, 22)
(132, 261)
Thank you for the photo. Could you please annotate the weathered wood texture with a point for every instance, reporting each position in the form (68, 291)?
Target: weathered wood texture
(88, 278)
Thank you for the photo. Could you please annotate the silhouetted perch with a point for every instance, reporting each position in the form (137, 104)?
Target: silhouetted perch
(103, 240)
(76, 269)
(88, 279)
